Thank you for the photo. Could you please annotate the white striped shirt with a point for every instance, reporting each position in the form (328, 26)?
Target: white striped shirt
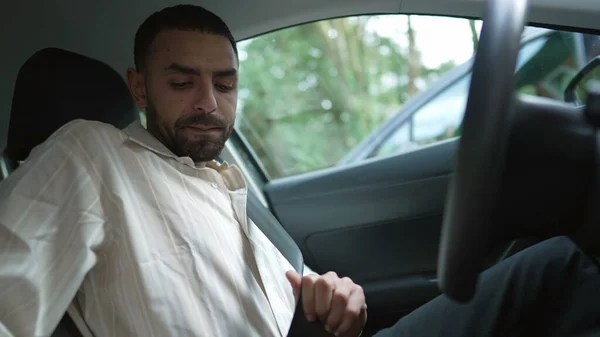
(147, 243)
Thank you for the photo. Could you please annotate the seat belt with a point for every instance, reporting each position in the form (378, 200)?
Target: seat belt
(272, 229)
(270, 226)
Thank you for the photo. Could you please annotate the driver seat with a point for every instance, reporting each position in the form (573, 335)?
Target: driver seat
(55, 86)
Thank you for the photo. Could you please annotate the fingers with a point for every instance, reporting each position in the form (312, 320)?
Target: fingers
(296, 282)
(353, 316)
(308, 296)
(317, 293)
(338, 303)
(324, 290)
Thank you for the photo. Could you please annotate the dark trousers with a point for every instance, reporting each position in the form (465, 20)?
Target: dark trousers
(549, 289)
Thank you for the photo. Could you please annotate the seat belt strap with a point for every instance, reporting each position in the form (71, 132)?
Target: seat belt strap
(270, 226)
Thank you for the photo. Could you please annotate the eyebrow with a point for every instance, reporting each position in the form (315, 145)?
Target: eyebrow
(179, 68)
(225, 73)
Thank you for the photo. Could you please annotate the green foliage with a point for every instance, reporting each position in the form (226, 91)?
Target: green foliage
(309, 94)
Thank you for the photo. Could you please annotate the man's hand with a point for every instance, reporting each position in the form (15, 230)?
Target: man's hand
(338, 303)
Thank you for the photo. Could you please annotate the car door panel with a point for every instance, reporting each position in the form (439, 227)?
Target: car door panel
(377, 222)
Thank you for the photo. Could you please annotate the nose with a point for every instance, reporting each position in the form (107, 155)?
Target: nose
(206, 101)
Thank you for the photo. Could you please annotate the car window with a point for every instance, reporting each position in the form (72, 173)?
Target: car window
(545, 65)
(429, 125)
(310, 94)
(318, 95)
(436, 120)
(548, 72)
(440, 118)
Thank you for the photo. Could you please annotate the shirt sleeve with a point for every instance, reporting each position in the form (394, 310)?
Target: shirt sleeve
(51, 228)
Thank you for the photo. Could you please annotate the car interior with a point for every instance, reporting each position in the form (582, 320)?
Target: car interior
(405, 227)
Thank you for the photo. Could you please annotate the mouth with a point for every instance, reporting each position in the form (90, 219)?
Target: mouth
(203, 129)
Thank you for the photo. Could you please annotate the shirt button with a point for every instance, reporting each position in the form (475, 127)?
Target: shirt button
(214, 185)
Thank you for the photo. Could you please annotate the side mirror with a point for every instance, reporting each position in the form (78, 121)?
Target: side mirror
(586, 80)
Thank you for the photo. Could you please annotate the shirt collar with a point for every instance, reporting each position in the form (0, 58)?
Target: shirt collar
(138, 134)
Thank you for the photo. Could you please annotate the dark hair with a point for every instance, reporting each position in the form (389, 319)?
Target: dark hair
(181, 17)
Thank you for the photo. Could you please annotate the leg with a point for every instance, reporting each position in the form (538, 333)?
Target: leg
(549, 289)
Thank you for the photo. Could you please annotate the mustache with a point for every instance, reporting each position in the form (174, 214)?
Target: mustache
(204, 119)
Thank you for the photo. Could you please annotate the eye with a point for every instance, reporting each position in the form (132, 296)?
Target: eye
(180, 85)
(224, 87)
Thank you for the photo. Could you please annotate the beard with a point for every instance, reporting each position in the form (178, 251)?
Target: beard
(199, 149)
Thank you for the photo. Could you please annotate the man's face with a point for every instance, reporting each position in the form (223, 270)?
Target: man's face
(189, 91)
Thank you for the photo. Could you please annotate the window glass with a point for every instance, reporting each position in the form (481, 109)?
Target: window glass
(400, 141)
(440, 118)
(546, 63)
(316, 95)
(310, 94)
(436, 120)
(548, 71)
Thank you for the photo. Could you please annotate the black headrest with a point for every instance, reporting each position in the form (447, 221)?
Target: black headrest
(55, 86)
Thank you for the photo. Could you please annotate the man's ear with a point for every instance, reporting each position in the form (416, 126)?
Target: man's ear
(137, 87)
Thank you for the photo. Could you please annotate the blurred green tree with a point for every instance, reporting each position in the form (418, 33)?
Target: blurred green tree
(310, 93)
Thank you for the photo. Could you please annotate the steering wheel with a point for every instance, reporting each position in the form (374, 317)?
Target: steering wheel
(473, 191)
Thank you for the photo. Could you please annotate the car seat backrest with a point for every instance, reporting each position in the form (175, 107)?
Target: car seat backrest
(55, 86)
